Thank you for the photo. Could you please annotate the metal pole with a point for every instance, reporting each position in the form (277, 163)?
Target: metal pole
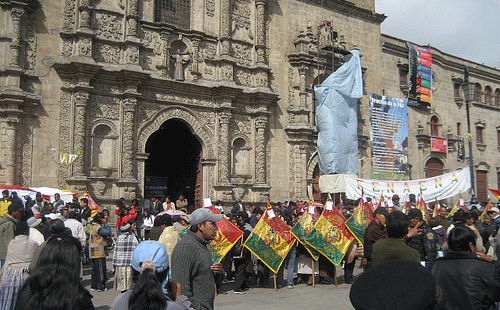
(469, 138)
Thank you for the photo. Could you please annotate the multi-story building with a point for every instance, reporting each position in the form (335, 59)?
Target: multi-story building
(210, 98)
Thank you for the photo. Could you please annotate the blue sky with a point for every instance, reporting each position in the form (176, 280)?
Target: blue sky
(468, 29)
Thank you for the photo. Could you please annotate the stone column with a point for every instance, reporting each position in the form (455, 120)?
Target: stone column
(165, 57)
(260, 150)
(261, 30)
(11, 129)
(302, 85)
(15, 45)
(225, 27)
(224, 119)
(194, 63)
(129, 108)
(81, 103)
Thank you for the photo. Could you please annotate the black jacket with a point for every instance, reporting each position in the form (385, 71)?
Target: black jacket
(425, 244)
(465, 282)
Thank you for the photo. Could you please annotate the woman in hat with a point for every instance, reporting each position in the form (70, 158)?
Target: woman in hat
(150, 269)
(126, 243)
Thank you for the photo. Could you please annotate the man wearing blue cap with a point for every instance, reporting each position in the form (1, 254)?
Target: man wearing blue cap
(191, 261)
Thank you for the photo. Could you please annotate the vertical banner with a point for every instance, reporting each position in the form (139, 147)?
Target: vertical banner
(389, 138)
(420, 74)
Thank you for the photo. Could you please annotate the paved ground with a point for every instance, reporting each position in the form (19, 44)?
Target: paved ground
(323, 296)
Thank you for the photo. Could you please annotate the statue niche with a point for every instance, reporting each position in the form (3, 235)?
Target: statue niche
(180, 57)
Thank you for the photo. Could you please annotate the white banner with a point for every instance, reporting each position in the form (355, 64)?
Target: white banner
(436, 188)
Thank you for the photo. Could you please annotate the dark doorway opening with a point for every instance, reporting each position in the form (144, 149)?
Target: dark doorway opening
(174, 156)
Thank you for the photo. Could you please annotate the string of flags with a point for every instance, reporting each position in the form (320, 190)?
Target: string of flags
(68, 159)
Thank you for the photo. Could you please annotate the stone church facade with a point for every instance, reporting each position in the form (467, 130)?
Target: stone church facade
(96, 79)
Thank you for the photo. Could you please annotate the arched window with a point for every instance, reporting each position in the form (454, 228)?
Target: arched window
(103, 146)
(434, 126)
(433, 167)
(240, 157)
(497, 97)
(487, 95)
(477, 93)
(173, 12)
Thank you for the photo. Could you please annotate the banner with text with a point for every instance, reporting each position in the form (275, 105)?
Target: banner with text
(389, 138)
(420, 75)
(439, 187)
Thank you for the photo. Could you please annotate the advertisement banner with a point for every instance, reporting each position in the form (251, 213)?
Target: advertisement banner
(439, 187)
(389, 138)
(420, 76)
(439, 145)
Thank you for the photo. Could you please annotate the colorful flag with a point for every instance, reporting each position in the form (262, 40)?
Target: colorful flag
(486, 209)
(330, 237)
(495, 192)
(270, 240)
(455, 207)
(436, 209)
(301, 229)
(227, 236)
(422, 207)
(92, 203)
(359, 220)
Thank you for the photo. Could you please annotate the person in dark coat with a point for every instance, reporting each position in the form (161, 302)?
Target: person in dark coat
(375, 231)
(425, 243)
(467, 280)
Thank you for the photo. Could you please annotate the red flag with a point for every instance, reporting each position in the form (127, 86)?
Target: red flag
(495, 192)
(422, 207)
(92, 203)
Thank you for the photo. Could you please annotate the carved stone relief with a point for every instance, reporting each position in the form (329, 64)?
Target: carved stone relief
(243, 77)
(108, 26)
(241, 125)
(106, 88)
(146, 111)
(31, 43)
(209, 72)
(65, 134)
(226, 72)
(182, 99)
(261, 79)
(27, 151)
(210, 7)
(152, 40)
(241, 19)
(104, 107)
(243, 54)
(107, 53)
(208, 119)
(85, 47)
(132, 54)
(67, 48)
(69, 15)
(207, 50)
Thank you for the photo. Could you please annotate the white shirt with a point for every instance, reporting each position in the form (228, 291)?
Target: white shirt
(76, 229)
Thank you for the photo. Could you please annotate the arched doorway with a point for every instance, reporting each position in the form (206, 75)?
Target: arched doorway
(173, 164)
(433, 167)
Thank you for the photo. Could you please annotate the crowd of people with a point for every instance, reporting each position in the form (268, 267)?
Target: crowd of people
(161, 261)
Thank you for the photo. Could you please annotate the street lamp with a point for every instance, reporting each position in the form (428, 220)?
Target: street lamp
(469, 90)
